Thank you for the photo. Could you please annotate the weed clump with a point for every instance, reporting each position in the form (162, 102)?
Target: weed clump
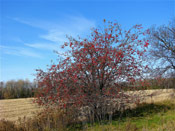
(7, 125)
(46, 120)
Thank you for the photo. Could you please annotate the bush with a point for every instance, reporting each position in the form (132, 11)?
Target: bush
(46, 120)
(93, 69)
(49, 119)
(7, 126)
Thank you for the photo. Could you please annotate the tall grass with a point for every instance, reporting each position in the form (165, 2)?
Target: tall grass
(47, 120)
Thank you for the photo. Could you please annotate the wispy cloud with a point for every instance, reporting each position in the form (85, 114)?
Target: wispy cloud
(19, 51)
(45, 46)
(42, 24)
(17, 39)
(57, 31)
(54, 36)
(71, 26)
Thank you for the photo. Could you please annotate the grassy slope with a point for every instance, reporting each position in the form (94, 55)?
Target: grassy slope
(159, 116)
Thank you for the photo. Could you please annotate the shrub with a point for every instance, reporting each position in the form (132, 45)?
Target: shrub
(52, 119)
(93, 70)
(7, 126)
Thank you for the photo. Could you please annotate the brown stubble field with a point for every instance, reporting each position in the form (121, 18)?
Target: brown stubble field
(12, 109)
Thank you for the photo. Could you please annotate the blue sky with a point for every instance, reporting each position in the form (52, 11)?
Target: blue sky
(31, 29)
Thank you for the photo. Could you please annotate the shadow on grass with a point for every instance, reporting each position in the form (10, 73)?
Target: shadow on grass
(143, 110)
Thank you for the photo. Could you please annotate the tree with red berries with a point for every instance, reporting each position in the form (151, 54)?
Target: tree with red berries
(93, 70)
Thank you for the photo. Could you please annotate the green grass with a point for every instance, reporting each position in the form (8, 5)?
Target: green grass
(159, 116)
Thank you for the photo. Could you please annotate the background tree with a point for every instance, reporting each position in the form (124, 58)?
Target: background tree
(17, 89)
(1, 90)
(162, 49)
(93, 70)
(10, 92)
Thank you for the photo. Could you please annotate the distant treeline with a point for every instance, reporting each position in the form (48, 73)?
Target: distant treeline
(17, 89)
(24, 88)
(161, 83)
(154, 83)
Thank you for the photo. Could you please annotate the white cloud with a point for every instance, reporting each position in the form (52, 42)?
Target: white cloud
(55, 35)
(45, 46)
(19, 51)
(71, 26)
(57, 30)
(17, 39)
(42, 24)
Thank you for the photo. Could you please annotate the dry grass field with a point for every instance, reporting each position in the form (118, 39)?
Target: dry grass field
(12, 109)
(153, 96)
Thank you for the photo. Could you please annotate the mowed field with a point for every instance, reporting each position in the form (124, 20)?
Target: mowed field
(12, 109)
